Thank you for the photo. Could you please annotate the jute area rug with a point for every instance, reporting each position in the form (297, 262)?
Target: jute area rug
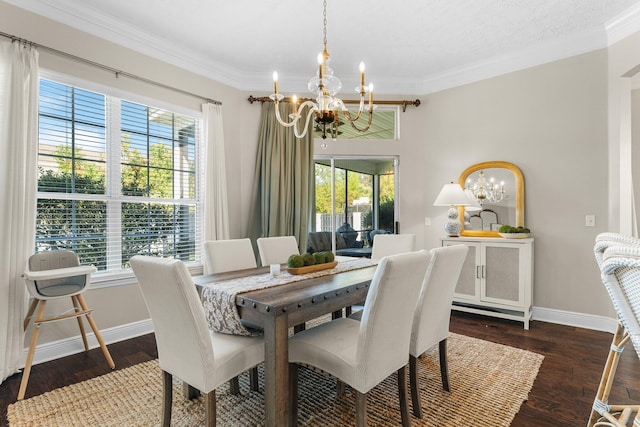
(488, 383)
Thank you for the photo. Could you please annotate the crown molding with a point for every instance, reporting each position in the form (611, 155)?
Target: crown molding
(113, 30)
(515, 61)
(103, 26)
(623, 25)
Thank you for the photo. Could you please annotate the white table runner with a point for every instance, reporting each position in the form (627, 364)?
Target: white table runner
(219, 298)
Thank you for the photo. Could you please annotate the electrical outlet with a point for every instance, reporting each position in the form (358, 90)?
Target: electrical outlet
(590, 221)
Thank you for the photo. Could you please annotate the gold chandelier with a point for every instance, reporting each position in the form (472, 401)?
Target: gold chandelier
(325, 85)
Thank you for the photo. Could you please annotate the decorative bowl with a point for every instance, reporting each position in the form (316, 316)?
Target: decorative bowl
(515, 235)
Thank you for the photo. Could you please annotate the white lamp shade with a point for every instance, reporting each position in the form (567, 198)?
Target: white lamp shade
(452, 195)
(473, 202)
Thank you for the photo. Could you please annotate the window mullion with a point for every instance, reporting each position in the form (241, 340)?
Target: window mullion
(114, 185)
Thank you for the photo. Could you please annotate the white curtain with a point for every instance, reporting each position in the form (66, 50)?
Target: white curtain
(18, 181)
(216, 204)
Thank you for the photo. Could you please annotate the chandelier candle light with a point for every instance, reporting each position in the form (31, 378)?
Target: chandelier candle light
(489, 191)
(452, 195)
(327, 105)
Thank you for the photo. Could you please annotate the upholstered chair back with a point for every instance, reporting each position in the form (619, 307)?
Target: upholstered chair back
(229, 255)
(392, 244)
(181, 330)
(276, 250)
(433, 311)
(385, 328)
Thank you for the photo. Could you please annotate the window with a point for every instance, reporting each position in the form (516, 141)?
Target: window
(383, 125)
(364, 194)
(116, 178)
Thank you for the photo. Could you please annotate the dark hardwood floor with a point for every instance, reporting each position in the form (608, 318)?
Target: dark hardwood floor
(561, 396)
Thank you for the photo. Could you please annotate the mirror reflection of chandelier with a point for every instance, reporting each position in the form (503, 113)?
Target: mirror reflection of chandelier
(486, 191)
(326, 106)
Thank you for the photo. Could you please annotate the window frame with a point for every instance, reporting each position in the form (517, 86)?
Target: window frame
(121, 277)
(362, 121)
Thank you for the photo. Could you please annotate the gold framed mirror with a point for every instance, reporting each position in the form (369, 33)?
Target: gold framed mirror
(498, 188)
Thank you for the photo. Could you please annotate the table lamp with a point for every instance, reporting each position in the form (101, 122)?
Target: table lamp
(452, 195)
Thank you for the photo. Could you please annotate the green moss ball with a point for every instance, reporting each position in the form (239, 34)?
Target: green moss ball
(295, 261)
(320, 257)
(308, 259)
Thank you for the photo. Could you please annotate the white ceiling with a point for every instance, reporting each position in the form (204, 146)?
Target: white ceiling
(410, 46)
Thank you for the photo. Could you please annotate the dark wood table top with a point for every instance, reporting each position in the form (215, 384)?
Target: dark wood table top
(301, 300)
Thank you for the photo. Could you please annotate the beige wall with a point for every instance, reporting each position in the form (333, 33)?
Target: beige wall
(550, 120)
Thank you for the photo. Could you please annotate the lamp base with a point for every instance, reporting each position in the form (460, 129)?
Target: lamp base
(453, 226)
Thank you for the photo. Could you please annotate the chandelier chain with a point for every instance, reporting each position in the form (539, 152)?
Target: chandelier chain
(324, 22)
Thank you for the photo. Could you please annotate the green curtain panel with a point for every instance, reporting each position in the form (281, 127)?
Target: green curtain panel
(283, 188)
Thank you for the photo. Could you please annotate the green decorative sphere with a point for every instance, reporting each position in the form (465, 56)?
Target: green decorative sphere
(295, 261)
(308, 259)
(320, 257)
(329, 257)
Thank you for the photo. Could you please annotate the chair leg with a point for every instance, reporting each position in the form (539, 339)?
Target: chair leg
(293, 394)
(402, 396)
(77, 307)
(32, 308)
(96, 332)
(167, 398)
(254, 379)
(210, 409)
(340, 387)
(32, 349)
(413, 381)
(444, 368)
(234, 386)
(189, 392)
(361, 409)
(608, 373)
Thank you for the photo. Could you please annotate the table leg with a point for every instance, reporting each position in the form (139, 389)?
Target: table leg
(276, 371)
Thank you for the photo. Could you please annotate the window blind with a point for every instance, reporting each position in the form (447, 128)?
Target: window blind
(117, 178)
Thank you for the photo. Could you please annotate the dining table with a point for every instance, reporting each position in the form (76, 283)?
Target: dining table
(276, 309)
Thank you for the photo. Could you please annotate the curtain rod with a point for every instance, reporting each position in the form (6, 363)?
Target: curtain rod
(404, 103)
(117, 72)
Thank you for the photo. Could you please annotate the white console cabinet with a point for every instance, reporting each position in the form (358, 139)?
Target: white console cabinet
(497, 277)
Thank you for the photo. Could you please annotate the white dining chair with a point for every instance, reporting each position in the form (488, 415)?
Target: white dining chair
(276, 250)
(52, 275)
(187, 349)
(362, 354)
(433, 312)
(229, 255)
(392, 244)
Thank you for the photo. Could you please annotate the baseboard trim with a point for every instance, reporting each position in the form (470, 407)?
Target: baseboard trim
(68, 346)
(580, 320)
